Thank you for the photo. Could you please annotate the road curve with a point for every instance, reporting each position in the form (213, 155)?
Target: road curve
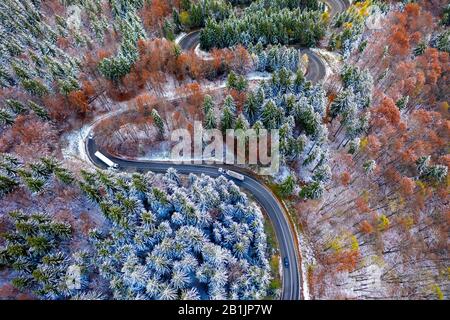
(190, 41)
(316, 68)
(286, 235)
(336, 6)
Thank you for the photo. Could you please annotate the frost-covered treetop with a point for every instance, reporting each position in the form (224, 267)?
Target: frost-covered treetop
(171, 239)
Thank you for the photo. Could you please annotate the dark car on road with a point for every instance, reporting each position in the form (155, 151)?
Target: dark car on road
(286, 262)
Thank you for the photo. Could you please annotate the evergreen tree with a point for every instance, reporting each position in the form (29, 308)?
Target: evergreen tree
(228, 114)
(241, 123)
(313, 191)
(32, 249)
(251, 107)
(38, 110)
(369, 166)
(158, 121)
(271, 115)
(6, 118)
(16, 106)
(287, 186)
(210, 120)
(208, 104)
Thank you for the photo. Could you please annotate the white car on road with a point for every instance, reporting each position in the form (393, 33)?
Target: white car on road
(232, 174)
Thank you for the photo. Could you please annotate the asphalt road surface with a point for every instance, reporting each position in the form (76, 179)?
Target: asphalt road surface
(316, 68)
(190, 41)
(336, 6)
(291, 275)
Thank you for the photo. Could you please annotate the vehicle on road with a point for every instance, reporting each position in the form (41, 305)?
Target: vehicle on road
(91, 135)
(286, 262)
(235, 175)
(105, 160)
(232, 174)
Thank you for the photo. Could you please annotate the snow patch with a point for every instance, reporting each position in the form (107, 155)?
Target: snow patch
(307, 259)
(75, 144)
(180, 37)
(257, 75)
(74, 17)
(333, 61)
(202, 54)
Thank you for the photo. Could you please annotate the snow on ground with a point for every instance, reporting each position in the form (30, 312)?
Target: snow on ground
(74, 144)
(333, 61)
(257, 75)
(74, 141)
(202, 54)
(307, 259)
(74, 17)
(180, 37)
(282, 173)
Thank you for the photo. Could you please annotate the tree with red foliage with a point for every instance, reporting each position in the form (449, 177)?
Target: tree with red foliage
(407, 186)
(79, 100)
(386, 113)
(62, 43)
(28, 137)
(346, 260)
(153, 13)
(366, 227)
(345, 178)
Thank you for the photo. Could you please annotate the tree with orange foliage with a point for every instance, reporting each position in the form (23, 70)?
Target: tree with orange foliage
(79, 100)
(361, 205)
(62, 43)
(399, 42)
(407, 186)
(386, 113)
(346, 260)
(153, 13)
(366, 227)
(345, 178)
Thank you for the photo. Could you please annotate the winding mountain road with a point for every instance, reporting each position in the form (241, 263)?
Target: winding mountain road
(285, 233)
(316, 69)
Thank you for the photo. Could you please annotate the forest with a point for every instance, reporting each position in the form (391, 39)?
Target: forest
(359, 95)
(162, 241)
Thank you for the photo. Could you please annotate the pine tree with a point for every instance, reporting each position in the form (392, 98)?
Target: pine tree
(6, 118)
(35, 87)
(232, 80)
(313, 191)
(271, 115)
(16, 106)
(369, 166)
(402, 103)
(344, 101)
(228, 118)
(210, 121)
(191, 294)
(7, 184)
(307, 118)
(158, 121)
(251, 107)
(208, 104)
(241, 123)
(168, 30)
(288, 185)
(32, 248)
(257, 126)
(38, 110)
(229, 103)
